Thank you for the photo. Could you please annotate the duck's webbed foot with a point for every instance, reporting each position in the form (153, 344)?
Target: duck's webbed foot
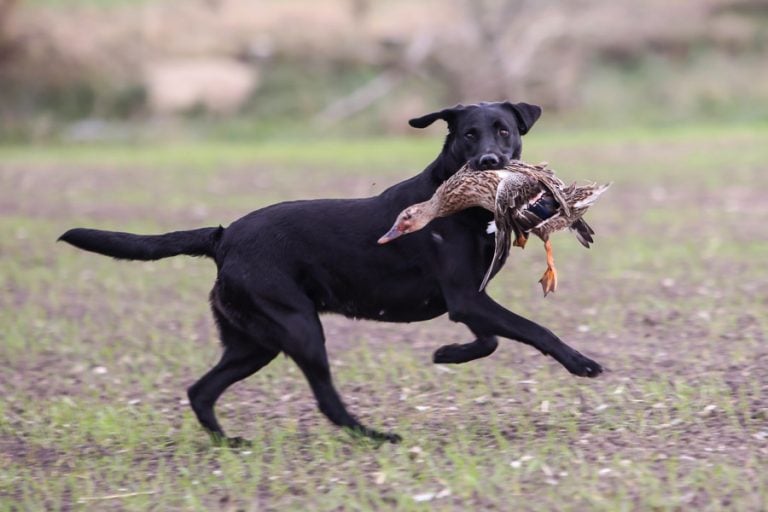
(549, 279)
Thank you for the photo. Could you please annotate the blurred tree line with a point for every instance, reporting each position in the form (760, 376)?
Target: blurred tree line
(369, 65)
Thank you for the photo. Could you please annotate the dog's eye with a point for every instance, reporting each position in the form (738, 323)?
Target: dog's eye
(504, 132)
(469, 135)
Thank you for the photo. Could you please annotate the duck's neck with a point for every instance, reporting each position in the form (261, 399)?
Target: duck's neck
(434, 207)
(456, 194)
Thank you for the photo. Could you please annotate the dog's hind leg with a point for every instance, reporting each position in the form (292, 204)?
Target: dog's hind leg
(304, 342)
(242, 357)
(456, 353)
(273, 308)
(310, 355)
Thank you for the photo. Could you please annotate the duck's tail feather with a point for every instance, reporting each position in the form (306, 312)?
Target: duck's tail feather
(584, 196)
(590, 194)
(583, 232)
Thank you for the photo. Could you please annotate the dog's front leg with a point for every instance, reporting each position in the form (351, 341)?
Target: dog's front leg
(457, 353)
(487, 319)
(460, 270)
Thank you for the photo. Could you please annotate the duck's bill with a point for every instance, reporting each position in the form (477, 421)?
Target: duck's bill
(391, 235)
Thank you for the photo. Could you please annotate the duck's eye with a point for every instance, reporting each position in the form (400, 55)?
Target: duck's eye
(470, 136)
(504, 132)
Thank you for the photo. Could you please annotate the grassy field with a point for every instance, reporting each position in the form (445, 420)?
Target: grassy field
(96, 354)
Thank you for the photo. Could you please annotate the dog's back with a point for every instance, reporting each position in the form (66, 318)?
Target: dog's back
(329, 247)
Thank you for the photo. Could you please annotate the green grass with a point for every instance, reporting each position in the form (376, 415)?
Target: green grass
(394, 154)
(97, 353)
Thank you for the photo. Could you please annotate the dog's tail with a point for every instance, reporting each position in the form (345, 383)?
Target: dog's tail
(127, 246)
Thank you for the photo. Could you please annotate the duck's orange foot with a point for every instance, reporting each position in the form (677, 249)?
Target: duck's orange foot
(549, 280)
(520, 241)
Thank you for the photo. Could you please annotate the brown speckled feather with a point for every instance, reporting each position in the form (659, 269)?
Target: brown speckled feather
(514, 194)
(466, 189)
(514, 188)
(524, 198)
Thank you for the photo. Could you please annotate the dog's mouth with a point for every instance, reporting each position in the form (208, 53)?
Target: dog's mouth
(477, 164)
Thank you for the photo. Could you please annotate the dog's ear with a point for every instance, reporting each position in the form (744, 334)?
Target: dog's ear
(447, 114)
(525, 113)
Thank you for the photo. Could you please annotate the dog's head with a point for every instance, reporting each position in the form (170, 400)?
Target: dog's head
(487, 135)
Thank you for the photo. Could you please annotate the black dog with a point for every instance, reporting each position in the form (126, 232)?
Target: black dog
(279, 267)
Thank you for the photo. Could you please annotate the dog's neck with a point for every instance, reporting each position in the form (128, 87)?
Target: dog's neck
(444, 166)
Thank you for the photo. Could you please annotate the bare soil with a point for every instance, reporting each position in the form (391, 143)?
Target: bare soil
(666, 300)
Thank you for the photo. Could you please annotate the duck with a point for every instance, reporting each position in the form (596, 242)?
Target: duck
(524, 198)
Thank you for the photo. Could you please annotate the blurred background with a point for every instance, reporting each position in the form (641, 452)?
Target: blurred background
(151, 116)
(125, 69)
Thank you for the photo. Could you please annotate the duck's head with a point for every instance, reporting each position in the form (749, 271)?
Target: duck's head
(411, 219)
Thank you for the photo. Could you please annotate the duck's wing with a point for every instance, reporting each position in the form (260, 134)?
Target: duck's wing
(500, 253)
(554, 185)
(509, 199)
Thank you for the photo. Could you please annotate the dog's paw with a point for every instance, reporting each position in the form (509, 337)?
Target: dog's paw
(231, 442)
(374, 435)
(450, 354)
(239, 442)
(389, 437)
(582, 366)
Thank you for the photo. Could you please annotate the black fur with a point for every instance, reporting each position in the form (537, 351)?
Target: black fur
(279, 267)
(127, 246)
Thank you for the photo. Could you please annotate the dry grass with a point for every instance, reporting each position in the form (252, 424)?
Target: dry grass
(97, 353)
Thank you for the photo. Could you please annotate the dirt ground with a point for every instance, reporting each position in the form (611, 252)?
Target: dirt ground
(672, 299)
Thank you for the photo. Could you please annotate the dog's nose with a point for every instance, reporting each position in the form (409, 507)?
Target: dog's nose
(488, 161)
